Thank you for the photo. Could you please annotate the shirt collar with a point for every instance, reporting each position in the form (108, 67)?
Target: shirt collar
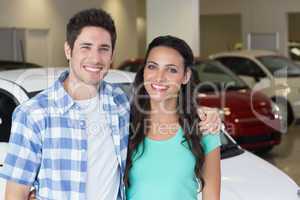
(64, 101)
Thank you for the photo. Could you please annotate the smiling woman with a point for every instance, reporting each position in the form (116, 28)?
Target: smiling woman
(169, 157)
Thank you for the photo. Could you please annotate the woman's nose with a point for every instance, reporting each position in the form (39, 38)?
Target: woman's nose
(160, 75)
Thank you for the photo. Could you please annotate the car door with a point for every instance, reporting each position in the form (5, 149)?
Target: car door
(7, 106)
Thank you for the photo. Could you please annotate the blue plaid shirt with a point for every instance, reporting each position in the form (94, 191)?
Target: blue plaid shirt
(48, 143)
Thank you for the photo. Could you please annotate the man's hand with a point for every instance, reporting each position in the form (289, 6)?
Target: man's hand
(210, 120)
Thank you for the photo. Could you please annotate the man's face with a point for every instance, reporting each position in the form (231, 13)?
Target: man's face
(90, 57)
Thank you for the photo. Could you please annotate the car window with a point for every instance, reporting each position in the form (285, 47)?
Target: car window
(212, 68)
(32, 94)
(213, 74)
(280, 66)
(131, 66)
(242, 66)
(7, 106)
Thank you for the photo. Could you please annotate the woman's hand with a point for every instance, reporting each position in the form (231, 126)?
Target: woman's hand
(210, 120)
(31, 195)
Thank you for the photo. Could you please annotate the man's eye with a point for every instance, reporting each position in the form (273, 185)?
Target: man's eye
(104, 49)
(85, 47)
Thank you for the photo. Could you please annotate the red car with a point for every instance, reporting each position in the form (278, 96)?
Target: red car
(251, 118)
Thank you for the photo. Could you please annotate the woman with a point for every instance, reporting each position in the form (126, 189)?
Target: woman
(169, 157)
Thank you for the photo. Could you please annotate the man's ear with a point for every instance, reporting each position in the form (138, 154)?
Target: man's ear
(68, 51)
(187, 76)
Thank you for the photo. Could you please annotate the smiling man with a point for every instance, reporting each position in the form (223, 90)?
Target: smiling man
(70, 141)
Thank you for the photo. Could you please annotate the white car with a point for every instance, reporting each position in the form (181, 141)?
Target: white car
(244, 175)
(276, 76)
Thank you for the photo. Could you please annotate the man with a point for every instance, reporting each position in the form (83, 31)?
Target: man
(70, 141)
(53, 136)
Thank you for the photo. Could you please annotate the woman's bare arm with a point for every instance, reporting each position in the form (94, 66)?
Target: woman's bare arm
(212, 176)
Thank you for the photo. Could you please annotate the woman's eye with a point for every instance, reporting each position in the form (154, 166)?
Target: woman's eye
(172, 70)
(151, 66)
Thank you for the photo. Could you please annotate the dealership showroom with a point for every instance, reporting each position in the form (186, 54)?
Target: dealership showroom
(247, 61)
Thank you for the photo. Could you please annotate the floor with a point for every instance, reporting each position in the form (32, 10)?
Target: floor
(286, 156)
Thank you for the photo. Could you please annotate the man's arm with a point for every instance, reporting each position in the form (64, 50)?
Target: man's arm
(23, 158)
(15, 191)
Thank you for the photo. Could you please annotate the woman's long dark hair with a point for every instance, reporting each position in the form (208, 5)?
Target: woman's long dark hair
(186, 107)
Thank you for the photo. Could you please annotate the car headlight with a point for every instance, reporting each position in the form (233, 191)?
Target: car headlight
(224, 111)
(276, 110)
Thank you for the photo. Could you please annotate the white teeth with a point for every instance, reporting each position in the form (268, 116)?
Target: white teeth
(159, 87)
(92, 69)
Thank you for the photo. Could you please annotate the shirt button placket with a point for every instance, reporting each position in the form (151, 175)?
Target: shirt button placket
(82, 124)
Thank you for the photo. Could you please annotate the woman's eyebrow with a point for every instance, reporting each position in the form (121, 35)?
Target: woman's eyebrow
(151, 62)
(171, 65)
(167, 65)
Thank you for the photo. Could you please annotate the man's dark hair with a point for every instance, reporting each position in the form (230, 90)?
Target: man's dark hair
(90, 17)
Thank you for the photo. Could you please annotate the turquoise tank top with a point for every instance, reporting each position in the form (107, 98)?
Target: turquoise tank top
(165, 171)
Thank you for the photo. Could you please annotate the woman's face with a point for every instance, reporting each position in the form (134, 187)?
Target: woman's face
(164, 74)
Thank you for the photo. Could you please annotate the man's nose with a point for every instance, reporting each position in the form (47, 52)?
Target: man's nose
(94, 56)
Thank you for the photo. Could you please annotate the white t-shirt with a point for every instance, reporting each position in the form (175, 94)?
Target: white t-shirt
(103, 171)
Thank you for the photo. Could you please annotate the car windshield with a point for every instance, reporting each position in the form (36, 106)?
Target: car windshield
(213, 75)
(280, 66)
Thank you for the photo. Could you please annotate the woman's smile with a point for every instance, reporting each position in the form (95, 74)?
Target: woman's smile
(159, 87)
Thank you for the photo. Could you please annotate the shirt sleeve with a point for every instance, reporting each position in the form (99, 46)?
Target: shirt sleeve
(24, 152)
(210, 142)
